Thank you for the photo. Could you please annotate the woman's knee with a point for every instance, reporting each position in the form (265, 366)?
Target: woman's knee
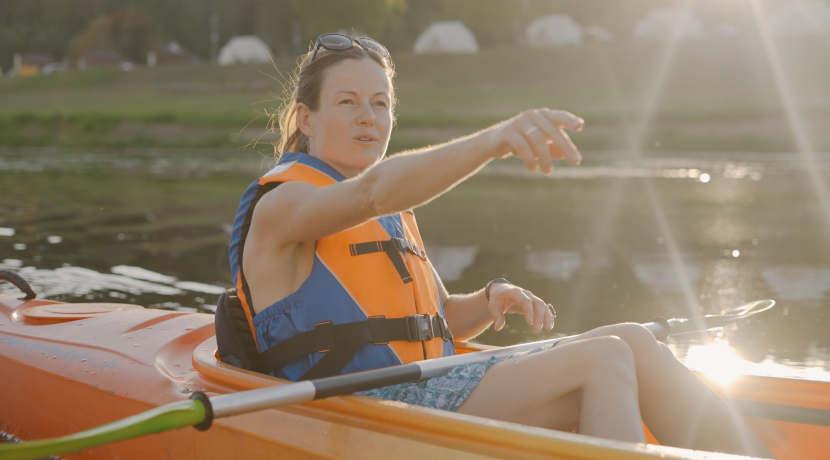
(637, 336)
(610, 357)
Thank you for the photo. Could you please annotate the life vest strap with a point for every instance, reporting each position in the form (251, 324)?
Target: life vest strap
(341, 342)
(392, 248)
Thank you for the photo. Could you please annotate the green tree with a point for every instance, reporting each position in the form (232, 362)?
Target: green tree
(375, 17)
(129, 32)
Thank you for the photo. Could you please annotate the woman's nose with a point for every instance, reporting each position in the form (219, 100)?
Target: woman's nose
(366, 116)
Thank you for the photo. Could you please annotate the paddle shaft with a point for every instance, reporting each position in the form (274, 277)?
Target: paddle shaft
(299, 392)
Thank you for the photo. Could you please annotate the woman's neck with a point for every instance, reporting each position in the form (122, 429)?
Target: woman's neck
(347, 171)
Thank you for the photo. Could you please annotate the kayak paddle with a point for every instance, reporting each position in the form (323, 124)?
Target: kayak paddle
(200, 410)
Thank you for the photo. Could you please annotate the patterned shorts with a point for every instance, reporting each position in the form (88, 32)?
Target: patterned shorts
(446, 392)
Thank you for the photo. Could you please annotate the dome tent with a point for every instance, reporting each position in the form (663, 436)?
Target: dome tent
(244, 49)
(554, 30)
(599, 34)
(666, 23)
(446, 37)
(800, 17)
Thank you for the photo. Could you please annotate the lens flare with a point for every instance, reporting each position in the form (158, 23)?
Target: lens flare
(717, 360)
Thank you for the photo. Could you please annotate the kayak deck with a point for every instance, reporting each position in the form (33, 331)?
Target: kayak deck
(78, 368)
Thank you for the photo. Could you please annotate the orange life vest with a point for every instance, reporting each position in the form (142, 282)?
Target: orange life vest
(378, 268)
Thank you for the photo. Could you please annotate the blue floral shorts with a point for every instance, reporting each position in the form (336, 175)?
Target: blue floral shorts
(446, 392)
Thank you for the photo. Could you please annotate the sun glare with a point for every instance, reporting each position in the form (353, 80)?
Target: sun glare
(717, 360)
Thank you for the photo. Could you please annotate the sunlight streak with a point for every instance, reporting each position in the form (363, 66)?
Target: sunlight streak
(636, 138)
(796, 124)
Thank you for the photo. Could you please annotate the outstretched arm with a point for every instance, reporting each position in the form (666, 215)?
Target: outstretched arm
(297, 212)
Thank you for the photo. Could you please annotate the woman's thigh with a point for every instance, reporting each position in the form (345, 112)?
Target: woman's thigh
(545, 389)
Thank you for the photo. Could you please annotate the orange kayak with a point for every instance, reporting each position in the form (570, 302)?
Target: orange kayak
(69, 367)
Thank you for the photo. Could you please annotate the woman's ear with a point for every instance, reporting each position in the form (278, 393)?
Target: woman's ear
(304, 120)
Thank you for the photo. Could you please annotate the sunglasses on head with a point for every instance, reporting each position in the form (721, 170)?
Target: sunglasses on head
(339, 42)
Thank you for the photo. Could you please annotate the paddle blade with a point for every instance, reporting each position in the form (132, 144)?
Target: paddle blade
(713, 322)
(175, 415)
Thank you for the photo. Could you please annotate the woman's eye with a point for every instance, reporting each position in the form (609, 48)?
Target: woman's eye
(381, 104)
(347, 101)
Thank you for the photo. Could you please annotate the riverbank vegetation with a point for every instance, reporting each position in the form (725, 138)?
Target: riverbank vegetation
(713, 94)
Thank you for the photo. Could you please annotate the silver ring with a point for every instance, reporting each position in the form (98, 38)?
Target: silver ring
(552, 310)
(532, 128)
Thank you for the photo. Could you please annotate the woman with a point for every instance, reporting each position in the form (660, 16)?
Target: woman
(332, 274)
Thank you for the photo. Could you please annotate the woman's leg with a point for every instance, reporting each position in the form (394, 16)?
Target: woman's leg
(591, 383)
(678, 407)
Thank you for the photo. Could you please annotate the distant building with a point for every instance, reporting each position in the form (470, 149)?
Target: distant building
(99, 58)
(800, 17)
(244, 49)
(172, 53)
(554, 30)
(29, 64)
(446, 37)
(669, 23)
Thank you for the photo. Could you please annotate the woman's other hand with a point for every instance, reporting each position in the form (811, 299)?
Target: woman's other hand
(537, 136)
(507, 298)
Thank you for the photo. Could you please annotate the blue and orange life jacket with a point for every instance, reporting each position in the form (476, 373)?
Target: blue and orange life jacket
(369, 302)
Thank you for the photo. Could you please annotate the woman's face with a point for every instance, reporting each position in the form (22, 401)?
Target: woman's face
(350, 130)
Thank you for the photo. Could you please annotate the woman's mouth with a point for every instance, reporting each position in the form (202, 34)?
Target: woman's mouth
(365, 139)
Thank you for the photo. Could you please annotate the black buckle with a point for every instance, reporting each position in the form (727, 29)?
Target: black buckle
(401, 244)
(420, 328)
(441, 325)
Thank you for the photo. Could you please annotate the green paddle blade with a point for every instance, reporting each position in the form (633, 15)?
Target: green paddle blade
(175, 415)
(711, 322)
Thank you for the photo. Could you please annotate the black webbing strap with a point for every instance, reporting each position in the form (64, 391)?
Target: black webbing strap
(342, 341)
(392, 248)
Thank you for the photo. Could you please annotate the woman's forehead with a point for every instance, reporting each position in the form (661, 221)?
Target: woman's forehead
(364, 77)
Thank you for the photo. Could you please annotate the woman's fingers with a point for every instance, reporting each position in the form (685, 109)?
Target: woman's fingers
(566, 145)
(532, 128)
(520, 148)
(539, 310)
(536, 136)
(564, 119)
(513, 299)
(497, 308)
(549, 131)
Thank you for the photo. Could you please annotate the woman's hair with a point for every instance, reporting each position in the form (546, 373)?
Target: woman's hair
(305, 85)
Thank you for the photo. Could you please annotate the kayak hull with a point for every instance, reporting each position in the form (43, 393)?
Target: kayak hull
(70, 373)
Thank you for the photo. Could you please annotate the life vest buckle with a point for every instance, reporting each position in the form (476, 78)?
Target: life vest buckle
(420, 328)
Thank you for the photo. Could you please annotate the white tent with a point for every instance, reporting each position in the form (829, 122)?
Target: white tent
(244, 49)
(800, 17)
(554, 30)
(446, 37)
(599, 34)
(668, 23)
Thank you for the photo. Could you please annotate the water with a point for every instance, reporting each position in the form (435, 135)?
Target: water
(152, 228)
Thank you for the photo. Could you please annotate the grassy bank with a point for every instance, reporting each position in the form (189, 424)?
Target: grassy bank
(716, 95)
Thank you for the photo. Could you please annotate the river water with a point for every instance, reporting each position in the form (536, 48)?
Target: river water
(620, 238)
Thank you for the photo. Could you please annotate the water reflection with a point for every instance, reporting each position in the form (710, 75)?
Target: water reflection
(798, 282)
(152, 228)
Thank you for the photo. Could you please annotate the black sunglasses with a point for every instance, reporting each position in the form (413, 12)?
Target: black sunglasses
(339, 42)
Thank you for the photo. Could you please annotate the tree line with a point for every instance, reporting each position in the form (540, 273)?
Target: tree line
(54, 26)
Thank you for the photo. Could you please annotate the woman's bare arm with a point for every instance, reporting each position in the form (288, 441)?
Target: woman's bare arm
(468, 315)
(299, 212)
